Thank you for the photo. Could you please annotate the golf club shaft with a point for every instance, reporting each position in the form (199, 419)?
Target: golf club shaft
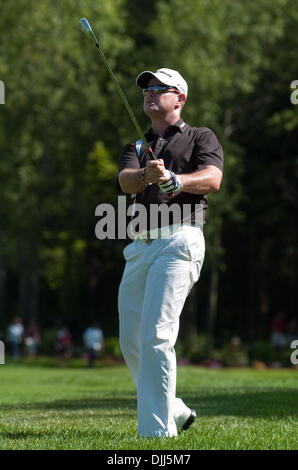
(124, 100)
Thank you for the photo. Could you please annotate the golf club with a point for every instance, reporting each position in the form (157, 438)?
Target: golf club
(85, 25)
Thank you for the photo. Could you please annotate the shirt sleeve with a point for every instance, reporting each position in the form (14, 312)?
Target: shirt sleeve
(129, 158)
(208, 150)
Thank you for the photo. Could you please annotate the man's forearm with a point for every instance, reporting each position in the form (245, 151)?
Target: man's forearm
(202, 181)
(135, 180)
(130, 180)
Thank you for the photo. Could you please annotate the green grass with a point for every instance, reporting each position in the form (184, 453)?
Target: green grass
(52, 408)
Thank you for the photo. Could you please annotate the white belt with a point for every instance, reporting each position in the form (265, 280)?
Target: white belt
(161, 232)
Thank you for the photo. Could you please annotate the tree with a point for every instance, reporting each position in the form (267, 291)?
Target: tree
(220, 47)
(59, 120)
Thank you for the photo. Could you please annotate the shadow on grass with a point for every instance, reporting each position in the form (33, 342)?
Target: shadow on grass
(26, 434)
(261, 403)
(264, 403)
(77, 404)
(61, 433)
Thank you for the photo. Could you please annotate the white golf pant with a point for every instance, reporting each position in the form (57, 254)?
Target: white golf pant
(155, 283)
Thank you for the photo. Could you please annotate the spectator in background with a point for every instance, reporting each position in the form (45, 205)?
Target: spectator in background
(15, 337)
(93, 340)
(64, 344)
(279, 329)
(32, 339)
(234, 353)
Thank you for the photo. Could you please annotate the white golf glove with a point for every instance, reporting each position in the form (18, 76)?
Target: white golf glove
(173, 185)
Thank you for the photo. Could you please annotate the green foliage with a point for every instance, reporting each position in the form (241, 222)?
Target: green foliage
(59, 124)
(194, 348)
(262, 350)
(112, 348)
(48, 341)
(231, 354)
(234, 357)
(63, 125)
(219, 46)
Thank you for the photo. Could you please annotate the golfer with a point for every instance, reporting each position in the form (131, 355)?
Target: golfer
(164, 261)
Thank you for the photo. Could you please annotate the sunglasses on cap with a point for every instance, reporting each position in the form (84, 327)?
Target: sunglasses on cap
(158, 89)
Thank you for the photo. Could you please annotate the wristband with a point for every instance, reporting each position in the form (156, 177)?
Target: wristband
(173, 185)
(144, 176)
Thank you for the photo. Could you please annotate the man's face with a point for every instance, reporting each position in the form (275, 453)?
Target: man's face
(160, 104)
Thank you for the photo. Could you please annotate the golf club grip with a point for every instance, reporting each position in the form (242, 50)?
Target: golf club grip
(153, 157)
(151, 154)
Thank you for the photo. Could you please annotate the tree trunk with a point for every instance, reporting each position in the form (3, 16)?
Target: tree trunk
(249, 322)
(23, 279)
(34, 288)
(3, 280)
(213, 293)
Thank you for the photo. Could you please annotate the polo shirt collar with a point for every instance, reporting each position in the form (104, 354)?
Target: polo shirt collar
(180, 125)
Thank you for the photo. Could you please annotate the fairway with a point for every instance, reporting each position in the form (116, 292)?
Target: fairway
(51, 408)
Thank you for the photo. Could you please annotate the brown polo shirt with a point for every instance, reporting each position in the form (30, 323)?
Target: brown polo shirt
(183, 148)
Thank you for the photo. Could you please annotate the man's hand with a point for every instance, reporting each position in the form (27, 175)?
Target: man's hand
(135, 180)
(167, 181)
(154, 171)
(172, 185)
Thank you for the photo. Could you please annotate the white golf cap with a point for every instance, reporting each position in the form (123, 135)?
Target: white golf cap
(167, 76)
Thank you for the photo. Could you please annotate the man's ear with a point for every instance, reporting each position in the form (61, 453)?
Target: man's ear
(181, 99)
